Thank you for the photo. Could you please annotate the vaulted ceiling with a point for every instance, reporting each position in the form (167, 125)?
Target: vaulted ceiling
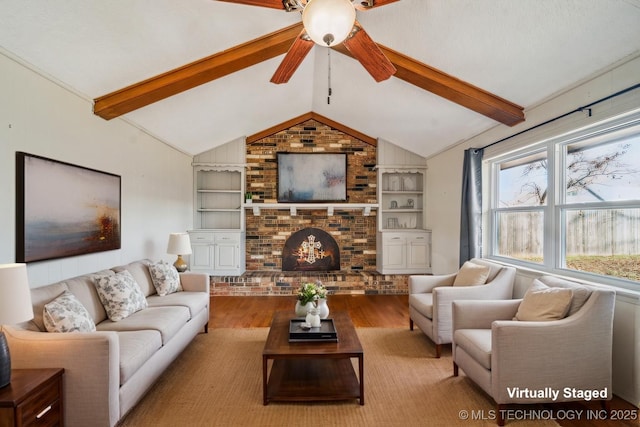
(195, 73)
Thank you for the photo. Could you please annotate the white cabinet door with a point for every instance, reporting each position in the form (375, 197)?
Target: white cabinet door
(202, 257)
(418, 252)
(393, 247)
(226, 257)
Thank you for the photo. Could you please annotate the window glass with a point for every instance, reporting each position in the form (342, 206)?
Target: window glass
(604, 241)
(603, 172)
(523, 182)
(520, 235)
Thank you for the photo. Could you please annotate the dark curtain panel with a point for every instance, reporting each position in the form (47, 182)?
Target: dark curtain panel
(471, 212)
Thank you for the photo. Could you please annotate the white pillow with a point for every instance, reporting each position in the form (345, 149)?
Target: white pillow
(67, 314)
(471, 274)
(120, 295)
(542, 303)
(165, 278)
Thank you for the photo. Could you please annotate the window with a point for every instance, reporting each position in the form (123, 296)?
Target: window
(522, 194)
(572, 204)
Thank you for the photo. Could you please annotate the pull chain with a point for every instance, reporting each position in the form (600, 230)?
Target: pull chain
(329, 77)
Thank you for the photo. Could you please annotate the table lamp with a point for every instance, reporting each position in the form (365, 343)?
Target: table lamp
(15, 307)
(179, 244)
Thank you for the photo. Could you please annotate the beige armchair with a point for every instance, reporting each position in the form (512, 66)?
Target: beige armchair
(430, 297)
(537, 361)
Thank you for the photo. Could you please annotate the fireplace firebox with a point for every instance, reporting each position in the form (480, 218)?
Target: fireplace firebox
(310, 249)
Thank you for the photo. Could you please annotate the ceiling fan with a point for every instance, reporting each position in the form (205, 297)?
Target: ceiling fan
(296, 41)
(329, 23)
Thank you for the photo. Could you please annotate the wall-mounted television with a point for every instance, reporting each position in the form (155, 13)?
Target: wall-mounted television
(312, 177)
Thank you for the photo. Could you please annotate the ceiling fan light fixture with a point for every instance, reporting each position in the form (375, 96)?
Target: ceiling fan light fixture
(328, 22)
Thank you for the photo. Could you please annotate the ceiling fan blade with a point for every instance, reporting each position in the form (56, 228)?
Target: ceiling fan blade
(370, 4)
(365, 50)
(273, 4)
(292, 60)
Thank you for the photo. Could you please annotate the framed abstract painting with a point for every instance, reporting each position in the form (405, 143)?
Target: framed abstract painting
(312, 177)
(64, 210)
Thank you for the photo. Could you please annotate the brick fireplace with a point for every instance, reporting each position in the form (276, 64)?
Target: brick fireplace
(353, 231)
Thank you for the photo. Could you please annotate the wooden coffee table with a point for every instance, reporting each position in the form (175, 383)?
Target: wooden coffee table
(312, 371)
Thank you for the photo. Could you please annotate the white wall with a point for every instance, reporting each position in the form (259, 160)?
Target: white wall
(42, 118)
(443, 198)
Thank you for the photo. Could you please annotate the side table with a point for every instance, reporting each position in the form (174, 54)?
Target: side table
(34, 397)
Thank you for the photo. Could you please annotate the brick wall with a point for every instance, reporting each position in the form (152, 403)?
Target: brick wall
(354, 232)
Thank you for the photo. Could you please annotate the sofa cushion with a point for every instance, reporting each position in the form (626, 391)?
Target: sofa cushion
(40, 297)
(84, 288)
(476, 342)
(423, 303)
(67, 314)
(166, 320)
(165, 278)
(194, 301)
(471, 274)
(140, 271)
(120, 295)
(542, 303)
(136, 347)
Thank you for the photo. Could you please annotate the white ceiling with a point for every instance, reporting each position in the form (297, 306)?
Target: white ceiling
(524, 51)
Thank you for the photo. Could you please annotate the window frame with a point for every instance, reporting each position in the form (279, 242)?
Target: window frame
(554, 211)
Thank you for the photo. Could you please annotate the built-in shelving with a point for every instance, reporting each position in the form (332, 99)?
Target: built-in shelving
(218, 238)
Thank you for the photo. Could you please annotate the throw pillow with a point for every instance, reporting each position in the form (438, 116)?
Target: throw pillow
(471, 274)
(542, 303)
(165, 278)
(120, 295)
(67, 314)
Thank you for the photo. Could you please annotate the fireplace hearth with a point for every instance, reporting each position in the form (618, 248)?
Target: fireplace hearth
(311, 249)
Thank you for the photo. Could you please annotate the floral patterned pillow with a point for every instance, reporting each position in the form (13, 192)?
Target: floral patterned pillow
(67, 314)
(120, 295)
(165, 278)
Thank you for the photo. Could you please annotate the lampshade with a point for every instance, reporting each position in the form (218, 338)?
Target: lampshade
(328, 22)
(15, 307)
(179, 244)
(15, 295)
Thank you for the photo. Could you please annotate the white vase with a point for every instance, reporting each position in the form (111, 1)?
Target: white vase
(313, 318)
(302, 310)
(323, 308)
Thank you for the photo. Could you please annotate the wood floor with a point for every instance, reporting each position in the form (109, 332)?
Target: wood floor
(386, 311)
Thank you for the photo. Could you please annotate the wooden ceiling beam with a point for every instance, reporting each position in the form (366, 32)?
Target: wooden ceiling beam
(196, 73)
(277, 43)
(450, 88)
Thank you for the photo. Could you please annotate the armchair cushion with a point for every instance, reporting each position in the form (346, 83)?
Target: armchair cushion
(541, 303)
(476, 342)
(423, 303)
(471, 274)
(580, 293)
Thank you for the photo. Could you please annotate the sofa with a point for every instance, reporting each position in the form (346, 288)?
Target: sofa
(110, 364)
(430, 297)
(557, 339)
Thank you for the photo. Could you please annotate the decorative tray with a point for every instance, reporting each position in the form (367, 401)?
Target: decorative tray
(325, 333)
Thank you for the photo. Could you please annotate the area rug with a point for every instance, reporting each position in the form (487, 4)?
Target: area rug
(217, 381)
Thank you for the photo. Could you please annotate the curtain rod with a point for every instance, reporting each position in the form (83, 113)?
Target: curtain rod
(579, 109)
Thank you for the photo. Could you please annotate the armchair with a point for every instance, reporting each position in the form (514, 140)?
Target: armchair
(430, 297)
(513, 361)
